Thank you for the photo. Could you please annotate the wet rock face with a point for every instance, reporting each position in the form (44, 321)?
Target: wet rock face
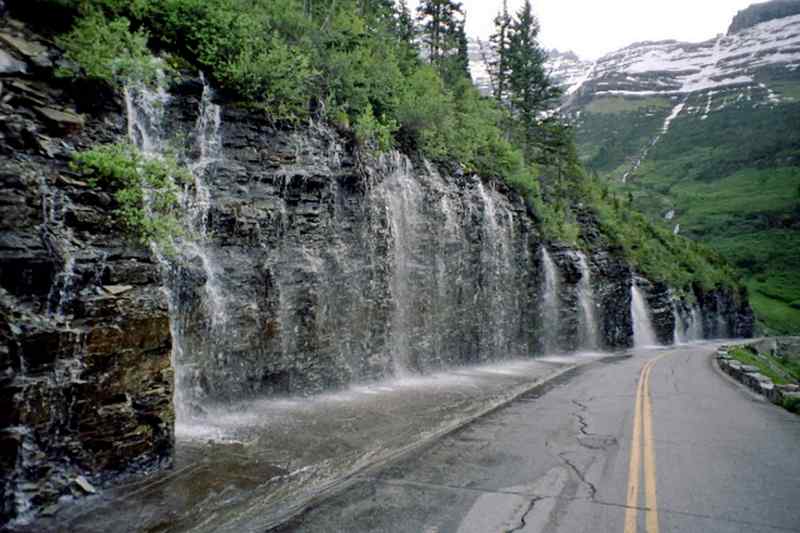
(613, 292)
(726, 314)
(662, 311)
(762, 12)
(85, 376)
(336, 270)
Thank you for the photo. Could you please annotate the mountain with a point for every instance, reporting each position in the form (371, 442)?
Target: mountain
(705, 137)
(565, 67)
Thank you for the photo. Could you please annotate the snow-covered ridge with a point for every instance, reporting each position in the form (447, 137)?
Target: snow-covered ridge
(566, 68)
(670, 67)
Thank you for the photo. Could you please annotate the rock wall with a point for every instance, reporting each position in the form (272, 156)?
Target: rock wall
(338, 270)
(85, 374)
(763, 12)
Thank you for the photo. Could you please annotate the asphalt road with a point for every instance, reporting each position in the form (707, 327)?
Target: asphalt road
(709, 457)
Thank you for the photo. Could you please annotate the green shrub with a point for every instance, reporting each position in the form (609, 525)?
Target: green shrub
(146, 189)
(108, 51)
(271, 73)
(369, 129)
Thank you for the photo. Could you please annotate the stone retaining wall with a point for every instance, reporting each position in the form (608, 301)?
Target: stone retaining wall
(750, 376)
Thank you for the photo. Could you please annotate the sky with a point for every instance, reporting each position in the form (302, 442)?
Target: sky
(593, 28)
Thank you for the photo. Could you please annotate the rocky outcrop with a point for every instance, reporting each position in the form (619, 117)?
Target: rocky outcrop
(85, 374)
(763, 12)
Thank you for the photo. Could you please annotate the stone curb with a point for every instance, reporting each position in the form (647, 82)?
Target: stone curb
(750, 377)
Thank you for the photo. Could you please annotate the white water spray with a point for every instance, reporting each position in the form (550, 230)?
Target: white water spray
(643, 332)
(550, 304)
(590, 336)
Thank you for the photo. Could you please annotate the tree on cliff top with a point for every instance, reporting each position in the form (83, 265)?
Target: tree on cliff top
(531, 90)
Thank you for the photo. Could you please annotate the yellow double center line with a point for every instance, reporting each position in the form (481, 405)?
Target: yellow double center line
(642, 445)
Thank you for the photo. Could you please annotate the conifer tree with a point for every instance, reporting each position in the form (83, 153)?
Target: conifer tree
(438, 19)
(405, 23)
(455, 66)
(531, 91)
(498, 65)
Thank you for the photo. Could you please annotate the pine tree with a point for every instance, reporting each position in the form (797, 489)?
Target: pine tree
(531, 91)
(379, 10)
(456, 65)
(437, 19)
(405, 24)
(498, 65)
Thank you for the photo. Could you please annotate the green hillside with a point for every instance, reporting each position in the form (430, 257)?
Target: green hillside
(730, 171)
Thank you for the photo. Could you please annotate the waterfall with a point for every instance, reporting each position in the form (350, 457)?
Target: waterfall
(496, 264)
(695, 330)
(550, 304)
(590, 340)
(57, 237)
(146, 109)
(643, 332)
(679, 334)
(404, 213)
(61, 291)
(209, 149)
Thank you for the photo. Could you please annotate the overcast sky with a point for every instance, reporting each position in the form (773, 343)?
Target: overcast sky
(592, 28)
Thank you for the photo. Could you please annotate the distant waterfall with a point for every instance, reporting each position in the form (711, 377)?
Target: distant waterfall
(679, 334)
(643, 332)
(695, 329)
(590, 335)
(550, 303)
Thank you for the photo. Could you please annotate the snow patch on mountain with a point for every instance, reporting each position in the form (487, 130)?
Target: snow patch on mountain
(668, 68)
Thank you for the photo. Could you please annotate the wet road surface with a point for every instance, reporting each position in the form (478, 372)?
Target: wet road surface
(708, 457)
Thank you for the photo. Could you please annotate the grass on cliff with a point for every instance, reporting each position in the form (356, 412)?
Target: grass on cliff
(146, 190)
(780, 370)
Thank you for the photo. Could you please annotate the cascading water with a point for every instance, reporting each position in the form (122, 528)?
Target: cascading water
(146, 110)
(404, 207)
(550, 303)
(695, 330)
(495, 257)
(679, 333)
(57, 237)
(209, 151)
(590, 335)
(643, 332)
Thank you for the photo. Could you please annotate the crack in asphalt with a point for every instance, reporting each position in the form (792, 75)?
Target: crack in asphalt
(604, 439)
(522, 522)
(580, 475)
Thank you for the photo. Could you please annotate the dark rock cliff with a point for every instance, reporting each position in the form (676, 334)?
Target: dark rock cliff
(763, 12)
(311, 266)
(85, 374)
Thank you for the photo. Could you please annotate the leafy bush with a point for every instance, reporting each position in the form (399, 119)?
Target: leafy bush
(146, 189)
(271, 73)
(370, 129)
(108, 51)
